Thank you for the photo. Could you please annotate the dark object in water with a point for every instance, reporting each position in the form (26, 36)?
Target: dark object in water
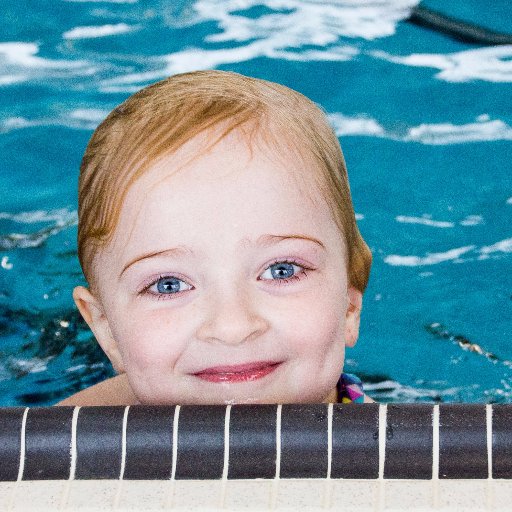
(456, 29)
(440, 331)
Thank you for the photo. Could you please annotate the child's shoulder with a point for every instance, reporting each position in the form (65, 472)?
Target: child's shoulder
(113, 391)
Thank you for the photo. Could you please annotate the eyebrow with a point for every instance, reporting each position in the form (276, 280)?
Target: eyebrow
(262, 241)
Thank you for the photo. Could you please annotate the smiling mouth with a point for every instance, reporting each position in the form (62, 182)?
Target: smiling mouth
(238, 373)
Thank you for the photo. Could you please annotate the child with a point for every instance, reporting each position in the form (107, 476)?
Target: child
(218, 237)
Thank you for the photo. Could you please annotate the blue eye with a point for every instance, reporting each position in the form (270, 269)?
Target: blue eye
(168, 285)
(283, 271)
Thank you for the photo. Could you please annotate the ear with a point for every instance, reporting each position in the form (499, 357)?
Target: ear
(355, 304)
(92, 310)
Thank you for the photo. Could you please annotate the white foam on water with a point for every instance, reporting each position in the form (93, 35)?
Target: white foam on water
(88, 32)
(430, 259)
(25, 55)
(5, 263)
(425, 220)
(287, 32)
(447, 133)
(490, 64)
(133, 82)
(305, 22)
(197, 58)
(19, 63)
(61, 219)
(60, 216)
(78, 367)
(27, 240)
(78, 119)
(472, 220)
(484, 129)
(509, 200)
(26, 366)
(501, 246)
(358, 125)
(395, 391)
(12, 79)
(94, 115)
(19, 123)
(15, 123)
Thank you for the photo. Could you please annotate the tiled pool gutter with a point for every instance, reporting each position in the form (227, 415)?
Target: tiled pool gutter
(257, 457)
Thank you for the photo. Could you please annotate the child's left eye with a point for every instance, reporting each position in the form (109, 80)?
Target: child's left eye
(284, 271)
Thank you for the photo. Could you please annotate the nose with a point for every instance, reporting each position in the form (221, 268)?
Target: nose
(231, 319)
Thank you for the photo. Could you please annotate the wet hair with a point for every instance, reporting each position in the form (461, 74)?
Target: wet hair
(157, 120)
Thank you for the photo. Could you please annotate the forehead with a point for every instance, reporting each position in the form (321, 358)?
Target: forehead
(235, 188)
(253, 145)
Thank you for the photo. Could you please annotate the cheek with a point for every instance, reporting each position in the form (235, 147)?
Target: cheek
(318, 323)
(148, 340)
(322, 315)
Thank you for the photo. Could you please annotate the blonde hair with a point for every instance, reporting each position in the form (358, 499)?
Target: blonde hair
(159, 119)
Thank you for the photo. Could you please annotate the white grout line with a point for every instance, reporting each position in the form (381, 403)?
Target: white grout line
(123, 446)
(226, 443)
(169, 500)
(275, 482)
(490, 482)
(12, 496)
(175, 441)
(278, 441)
(488, 413)
(327, 496)
(225, 468)
(435, 443)
(329, 440)
(123, 460)
(383, 416)
(74, 421)
(383, 413)
(435, 456)
(72, 465)
(21, 467)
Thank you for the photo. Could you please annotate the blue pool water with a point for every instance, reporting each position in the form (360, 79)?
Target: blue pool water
(425, 123)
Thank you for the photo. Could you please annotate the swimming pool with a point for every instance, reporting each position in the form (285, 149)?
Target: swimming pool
(424, 122)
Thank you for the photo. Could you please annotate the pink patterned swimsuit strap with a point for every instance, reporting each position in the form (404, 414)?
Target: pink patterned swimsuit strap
(350, 389)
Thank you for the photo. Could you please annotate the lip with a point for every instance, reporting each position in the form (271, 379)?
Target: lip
(238, 373)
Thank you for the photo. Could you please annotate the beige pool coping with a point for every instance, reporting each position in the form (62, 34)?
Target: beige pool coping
(299, 494)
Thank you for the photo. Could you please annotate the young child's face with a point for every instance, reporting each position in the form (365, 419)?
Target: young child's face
(224, 283)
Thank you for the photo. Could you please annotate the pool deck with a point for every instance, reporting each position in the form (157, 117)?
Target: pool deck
(294, 494)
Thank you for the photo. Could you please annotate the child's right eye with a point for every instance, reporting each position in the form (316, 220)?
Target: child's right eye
(166, 285)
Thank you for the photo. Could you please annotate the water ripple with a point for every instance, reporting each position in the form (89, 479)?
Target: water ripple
(304, 22)
(430, 259)
(61, 218)
(483, 129)
(490, 64)
(98, 31)
(19, 63)
(454, 255)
